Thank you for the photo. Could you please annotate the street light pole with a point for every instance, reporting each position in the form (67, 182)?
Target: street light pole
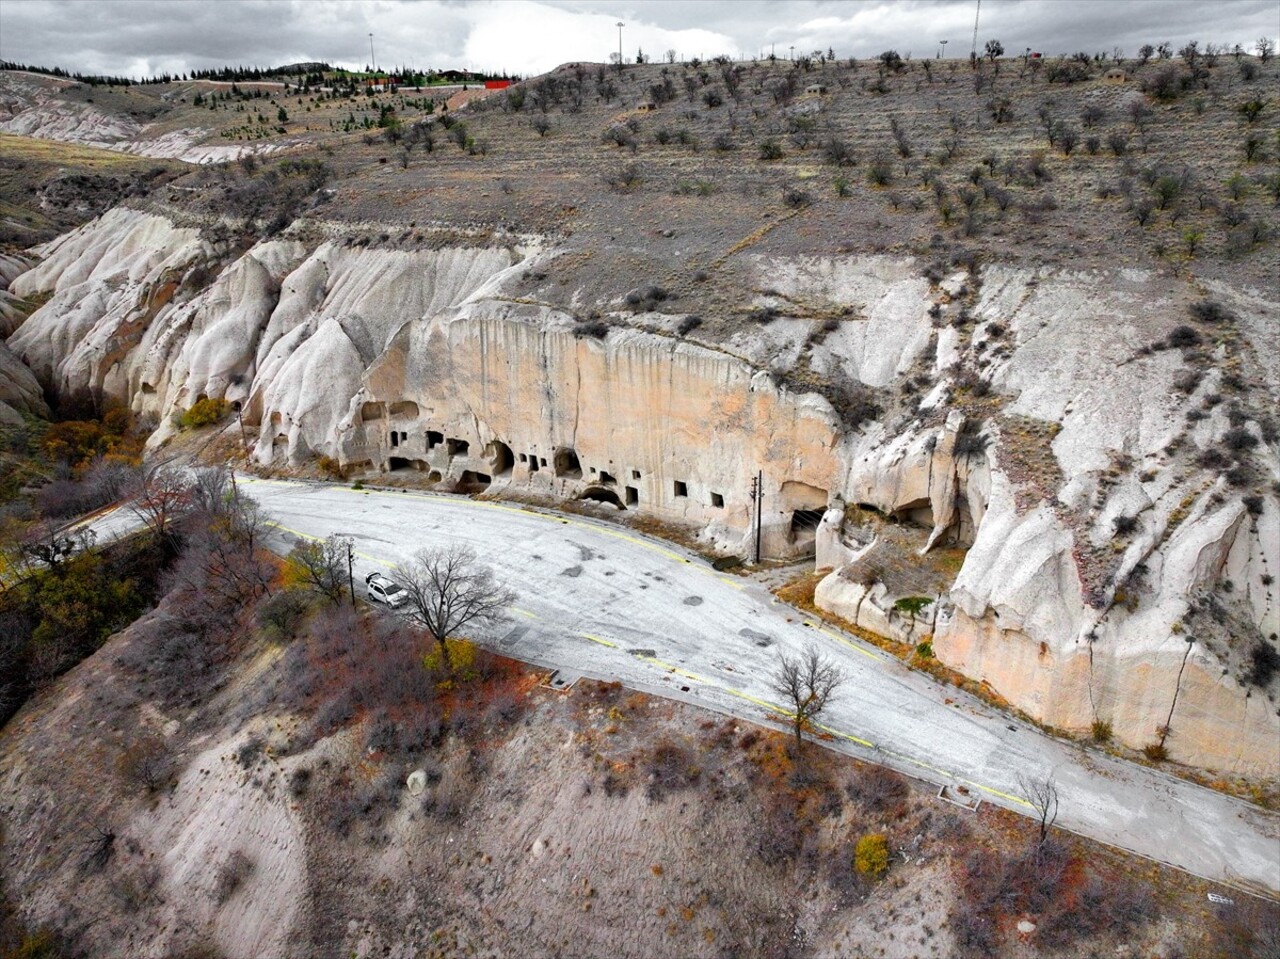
(942, 48)
(373, 63)
(620, 25)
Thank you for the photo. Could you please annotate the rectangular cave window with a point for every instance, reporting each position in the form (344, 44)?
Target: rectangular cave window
(395, 438)
(533, 463)
(633, 496)
(404, 436)
(457, 447)
(542, 460)
(606, 477)
(682, 488)
(434, 439)
(635, 474)
(717, 501)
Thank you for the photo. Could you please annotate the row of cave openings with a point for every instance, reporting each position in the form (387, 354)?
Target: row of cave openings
(601, 485)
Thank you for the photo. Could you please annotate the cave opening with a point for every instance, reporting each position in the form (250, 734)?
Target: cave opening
(599, 494)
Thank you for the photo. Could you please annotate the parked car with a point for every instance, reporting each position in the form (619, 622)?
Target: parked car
(383, 589)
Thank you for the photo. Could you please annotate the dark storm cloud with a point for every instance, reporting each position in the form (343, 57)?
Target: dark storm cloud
(528, 36)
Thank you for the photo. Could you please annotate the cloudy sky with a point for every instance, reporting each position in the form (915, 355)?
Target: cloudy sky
(146, 37)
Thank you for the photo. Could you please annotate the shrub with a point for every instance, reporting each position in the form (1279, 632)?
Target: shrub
(596, 329)
(879, 171)
(624, 178)
(1251, 109)
(838, 152)
(1156, 752)
(205, 412)
(1210, 311)
(880, 790)
(1124, 525)
(871, 855)
(1239, 439)
(1183, 336)
(1264, 662)
(231, 876)
(670, 769)
(462, 656)
(796, 198)
(1168, 83)
(771, 149)
(688, 325)
(1101, 731)
(912, 605)
(282, 613)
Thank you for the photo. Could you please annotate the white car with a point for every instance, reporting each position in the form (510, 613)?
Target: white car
(382, 589)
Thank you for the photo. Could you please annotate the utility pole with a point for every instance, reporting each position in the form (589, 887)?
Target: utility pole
(942, 48)
(973, 54)
(620, 26)
(240, 419)
(757, 498)
(351, 581)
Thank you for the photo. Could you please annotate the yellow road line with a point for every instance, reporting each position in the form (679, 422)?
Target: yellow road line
(597, 639)
(320, 539)
(996, 792)
(523, 612)
(852, 645)
(842, 735)
(751, 699)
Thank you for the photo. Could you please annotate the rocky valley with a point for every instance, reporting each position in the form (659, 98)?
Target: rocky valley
(991, 350)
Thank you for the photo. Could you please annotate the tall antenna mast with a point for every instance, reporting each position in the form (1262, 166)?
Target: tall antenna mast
(973, 53)
(374, 63)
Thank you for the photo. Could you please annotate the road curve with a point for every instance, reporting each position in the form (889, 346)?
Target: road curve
(605, 602)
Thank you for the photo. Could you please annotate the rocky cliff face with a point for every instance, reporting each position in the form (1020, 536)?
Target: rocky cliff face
(1099, 472)
(38, 106)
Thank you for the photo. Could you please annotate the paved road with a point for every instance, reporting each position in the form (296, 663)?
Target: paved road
(607, 603)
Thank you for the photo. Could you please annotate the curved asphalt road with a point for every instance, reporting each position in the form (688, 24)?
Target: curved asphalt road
(601, 601)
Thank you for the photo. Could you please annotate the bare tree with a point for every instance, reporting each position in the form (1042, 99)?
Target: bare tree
(211, 490)
(162, 495)
(43, 546)
(323, 565)
(807, 681)
(1043, 796)
(449, 590)
(147, 763)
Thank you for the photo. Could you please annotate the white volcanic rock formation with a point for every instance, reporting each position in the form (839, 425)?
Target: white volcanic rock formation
(1048, 423)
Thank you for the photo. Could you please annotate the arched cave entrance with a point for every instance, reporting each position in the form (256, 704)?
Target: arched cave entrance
(566, 463)
(473, 482)
(501, 459)
(601, 495)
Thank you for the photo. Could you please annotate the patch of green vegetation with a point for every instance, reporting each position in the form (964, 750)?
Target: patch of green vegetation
(205, 412)
(912, 605)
